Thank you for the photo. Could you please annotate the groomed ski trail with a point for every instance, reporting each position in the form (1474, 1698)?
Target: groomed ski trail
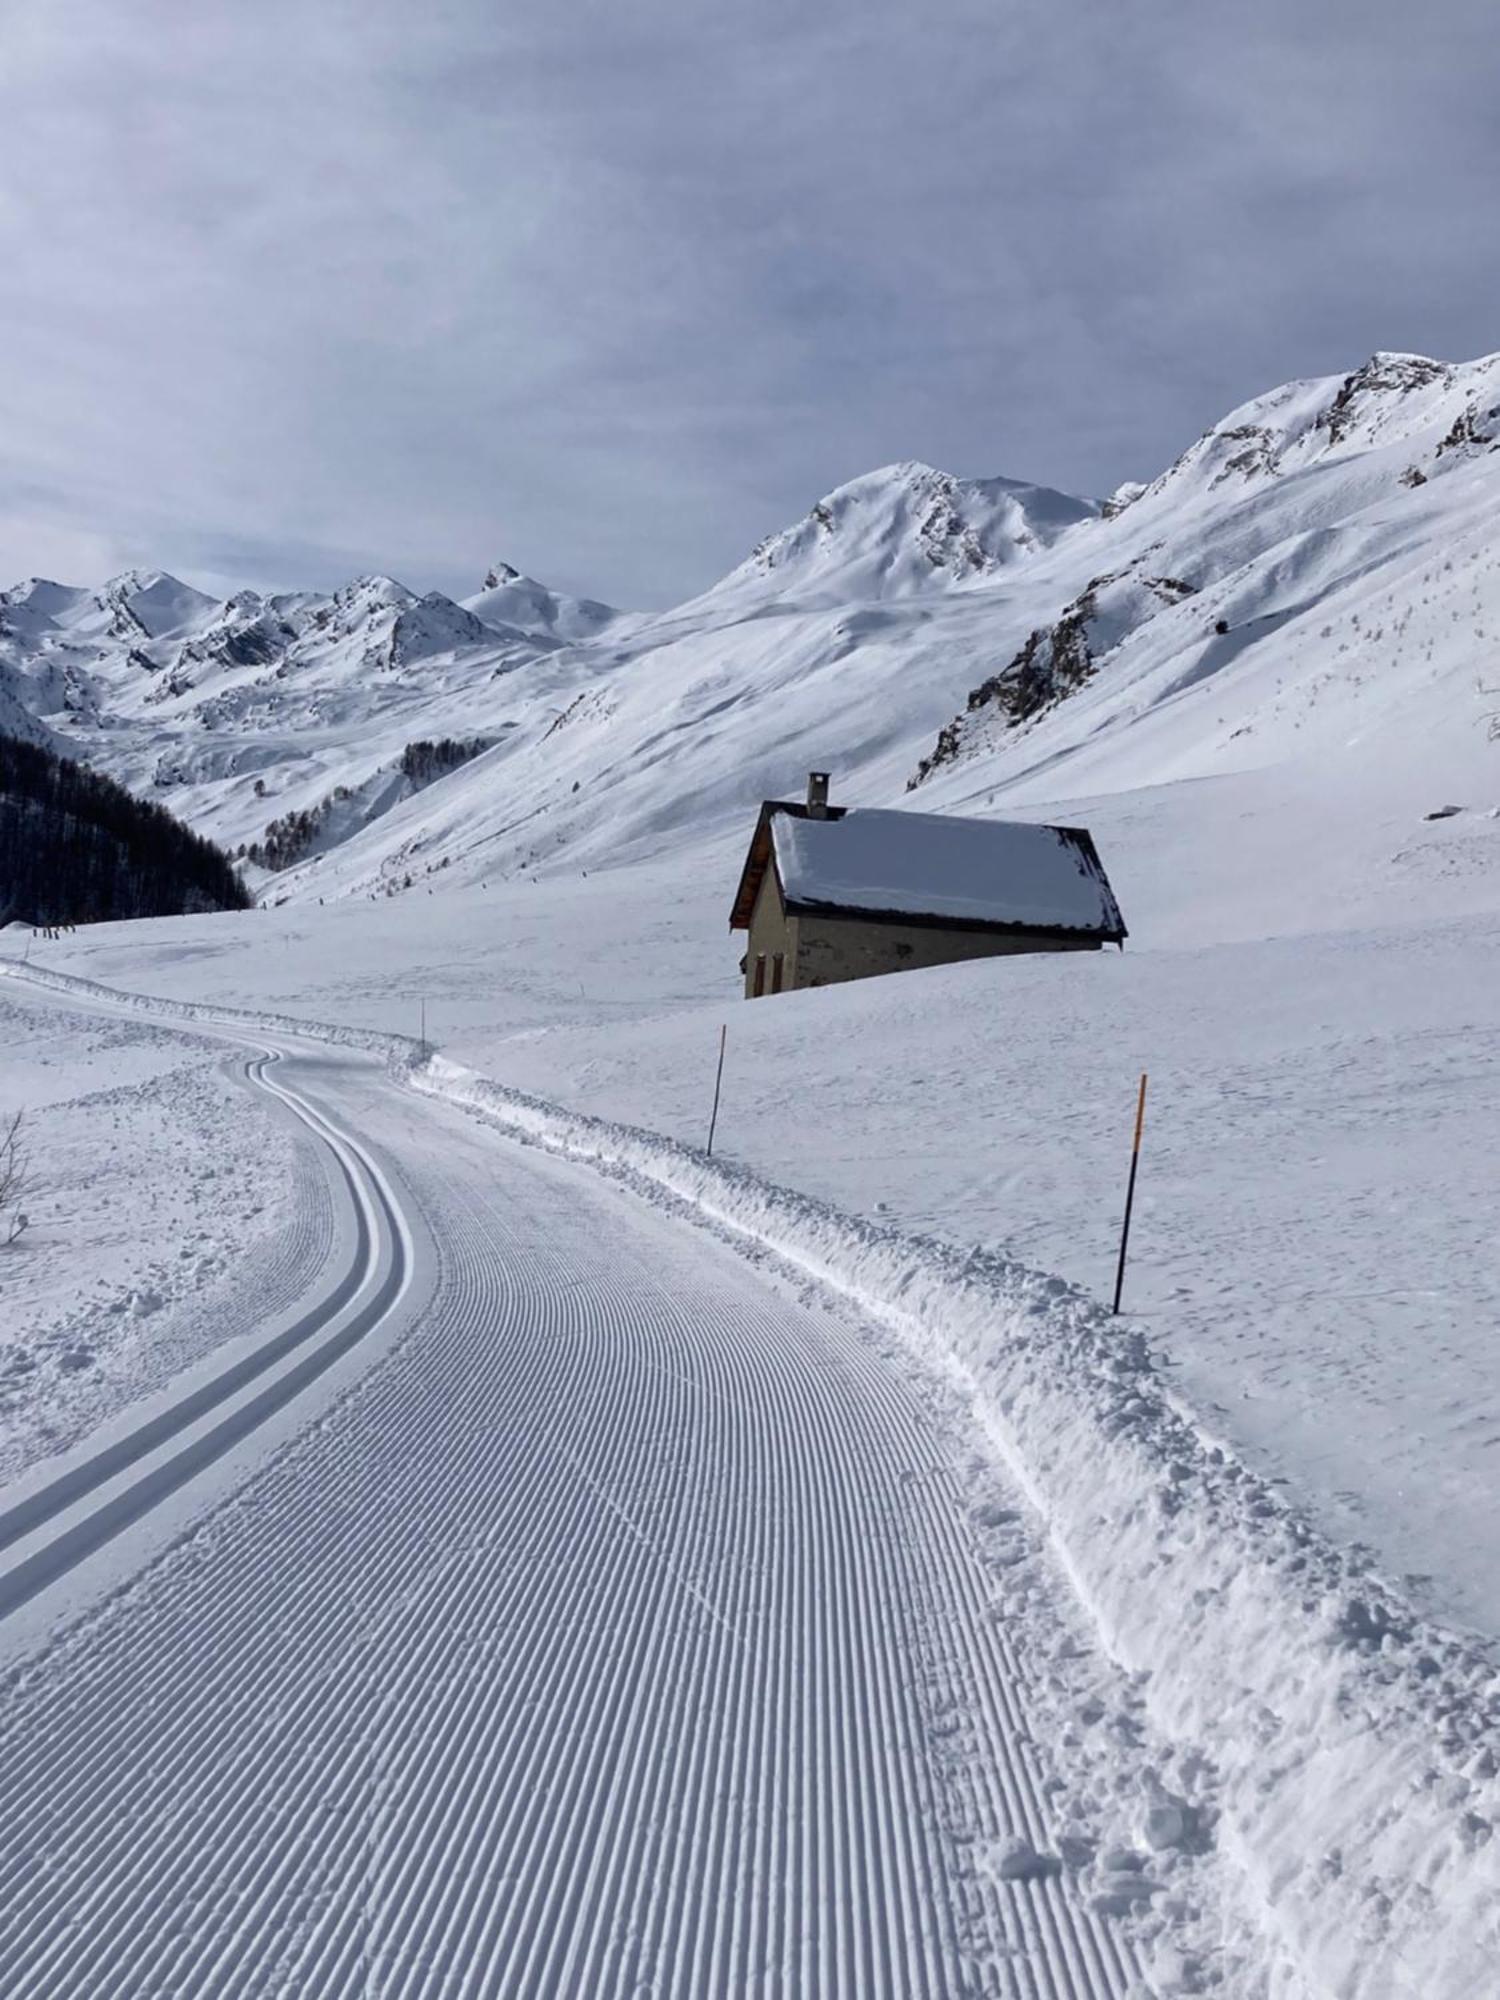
(620, 1633)
(58, 1523)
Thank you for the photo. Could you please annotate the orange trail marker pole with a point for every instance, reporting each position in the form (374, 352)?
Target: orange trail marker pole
(718, 1080)
(1135, 1161)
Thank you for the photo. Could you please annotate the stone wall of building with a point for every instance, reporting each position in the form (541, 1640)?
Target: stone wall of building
(829, 949)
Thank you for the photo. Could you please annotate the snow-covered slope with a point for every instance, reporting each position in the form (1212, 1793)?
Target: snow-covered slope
(1298, 614)
(16, 718)
(1297, 542)
(238, 713)
(1297, 620)
(507, 598)
(903, 530)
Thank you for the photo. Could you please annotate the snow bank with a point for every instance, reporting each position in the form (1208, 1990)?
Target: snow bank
(402, 1050)
(1354, 1744)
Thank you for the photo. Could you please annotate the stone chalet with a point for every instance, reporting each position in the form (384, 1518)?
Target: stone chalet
(834, 892)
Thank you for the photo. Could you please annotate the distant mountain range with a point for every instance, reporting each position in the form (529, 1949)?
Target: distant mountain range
(1313, 579)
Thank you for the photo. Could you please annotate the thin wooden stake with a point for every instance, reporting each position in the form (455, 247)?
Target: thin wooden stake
(1135, 1161)
(718, 1080)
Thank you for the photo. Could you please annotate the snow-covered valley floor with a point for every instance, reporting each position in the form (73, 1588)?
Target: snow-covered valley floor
(1315, 1245)
(1315, 1252)
(1251, 1533)
(637, 1619)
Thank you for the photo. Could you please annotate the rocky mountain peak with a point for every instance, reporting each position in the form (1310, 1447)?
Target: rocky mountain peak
(905, 528)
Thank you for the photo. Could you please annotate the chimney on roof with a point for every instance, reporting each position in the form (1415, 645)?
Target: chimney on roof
(817, 795)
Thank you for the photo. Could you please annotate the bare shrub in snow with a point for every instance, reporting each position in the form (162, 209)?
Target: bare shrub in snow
(15, 1180)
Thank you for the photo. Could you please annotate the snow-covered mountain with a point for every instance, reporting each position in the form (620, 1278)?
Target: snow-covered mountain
(16, 718)
(900, 532)
(1340, 533)
(509, 599)
(1314, 498)
(243, 711)
(1311, 589)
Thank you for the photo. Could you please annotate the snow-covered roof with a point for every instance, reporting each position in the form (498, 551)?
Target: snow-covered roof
(940, 867)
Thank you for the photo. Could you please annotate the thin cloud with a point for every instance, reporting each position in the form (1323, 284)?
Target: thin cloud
(612, 291)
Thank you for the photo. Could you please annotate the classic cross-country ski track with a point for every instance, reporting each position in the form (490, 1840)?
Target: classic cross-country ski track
(56, 1524)
(616, 1629)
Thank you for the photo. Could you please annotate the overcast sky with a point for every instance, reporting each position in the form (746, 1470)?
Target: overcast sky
(295, 288)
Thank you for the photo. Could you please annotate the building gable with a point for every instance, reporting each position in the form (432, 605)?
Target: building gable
(762, 856)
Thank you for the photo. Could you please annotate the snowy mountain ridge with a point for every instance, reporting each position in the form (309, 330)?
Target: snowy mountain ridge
(1272, 550)
(901, 530)
(1309, 588)
(1339, 531)
(510, 601)
(220, 704)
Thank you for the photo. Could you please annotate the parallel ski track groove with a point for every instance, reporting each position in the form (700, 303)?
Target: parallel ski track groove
(279, 1274)
(308, 1338)
(637, 1683)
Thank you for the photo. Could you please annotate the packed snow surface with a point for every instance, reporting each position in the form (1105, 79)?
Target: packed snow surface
(928, 865)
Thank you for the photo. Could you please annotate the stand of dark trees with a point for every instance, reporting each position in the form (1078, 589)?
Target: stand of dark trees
(76, 848)
(422, 762)
(286, 840)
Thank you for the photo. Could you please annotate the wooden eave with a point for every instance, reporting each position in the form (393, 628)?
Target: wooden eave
(860, 914)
